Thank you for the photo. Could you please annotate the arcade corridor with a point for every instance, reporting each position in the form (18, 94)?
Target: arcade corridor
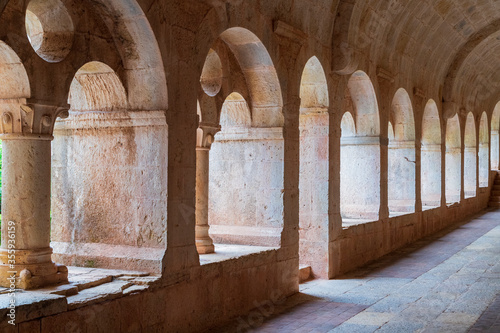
(449, 282)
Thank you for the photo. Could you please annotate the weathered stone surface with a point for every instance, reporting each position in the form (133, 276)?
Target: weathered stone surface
(63, 290)
(101, 293)
(32, 305)
(85, 282)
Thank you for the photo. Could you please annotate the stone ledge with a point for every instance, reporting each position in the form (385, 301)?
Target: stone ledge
(228, 252)
(108, 256)
(246, 235)
(31, 305)
(104, 292)
(87, 286)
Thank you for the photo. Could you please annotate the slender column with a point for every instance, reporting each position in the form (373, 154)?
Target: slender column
(25, 252)
(204, 243)
(205, 138)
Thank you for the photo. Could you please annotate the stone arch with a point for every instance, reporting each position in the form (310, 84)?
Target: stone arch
(313, 87)
(431, 156)
(314, 167)
(402, 116)
(145, 80)
(13, 77)
(266, 101)
(364, 104)
(246, 159)
(360, 152)
(470, 157)
(484, 142)
(495, 138)
(235, 113)
(401, 155)
(14, 88)
(453, 161)
(106, 155)
(348, 125)
(96, 87)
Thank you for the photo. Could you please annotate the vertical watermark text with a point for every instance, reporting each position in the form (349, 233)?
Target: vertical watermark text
(11, 245)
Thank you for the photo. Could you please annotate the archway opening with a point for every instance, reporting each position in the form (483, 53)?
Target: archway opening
(240, 147)
(401, 154)
(245, 171)
(109, 178)
(96, 87)
(453, 161)
(470, 157)
(484, 142)
(314, 169)
(360, 153)
(431, 157)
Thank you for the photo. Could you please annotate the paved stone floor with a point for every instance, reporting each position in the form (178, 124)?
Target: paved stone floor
(449, 282)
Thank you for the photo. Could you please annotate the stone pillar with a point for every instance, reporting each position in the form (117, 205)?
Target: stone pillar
(25, 252)
(204, 244)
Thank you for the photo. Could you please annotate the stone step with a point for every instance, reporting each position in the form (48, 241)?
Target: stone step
(304, 273)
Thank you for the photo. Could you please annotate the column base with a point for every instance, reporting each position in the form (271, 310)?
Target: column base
(205, 246)
(30, 269)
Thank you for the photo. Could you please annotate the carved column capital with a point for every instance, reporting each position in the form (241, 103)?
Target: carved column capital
(22, 119)
(205, 135)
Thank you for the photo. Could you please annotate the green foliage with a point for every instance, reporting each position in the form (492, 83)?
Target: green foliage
(89, 263)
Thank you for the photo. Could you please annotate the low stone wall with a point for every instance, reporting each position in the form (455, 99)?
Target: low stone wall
(362, 243)
(201, 297)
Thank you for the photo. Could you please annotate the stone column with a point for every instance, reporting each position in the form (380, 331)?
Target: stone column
(204, 243)
(25, 252)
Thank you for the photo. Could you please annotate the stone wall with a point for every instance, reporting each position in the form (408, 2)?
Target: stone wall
(109, 190)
